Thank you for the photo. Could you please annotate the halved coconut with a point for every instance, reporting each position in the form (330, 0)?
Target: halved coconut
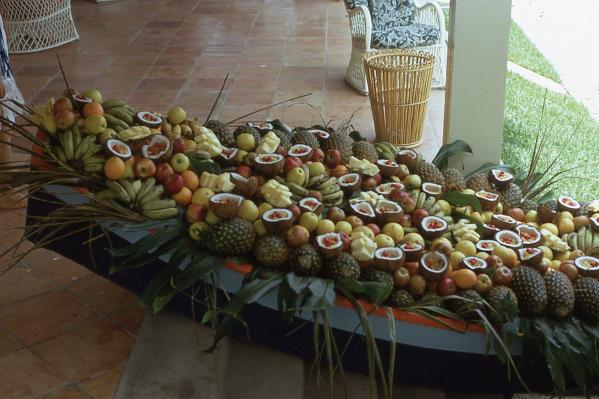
(565, 203)
(269, 164)
(245, 187)
(262, 128)
(489, 230)
(387, 167)
(432, 189)
(227, 156)
(408, 158)
(349, 182)
(412, 251)
(149, 119)
(311, 204)
(433, 265)
(330, 244)
(594, 223)
(386, 188)
(475, 264)
(118, 148)
(301, 151)
(388, 259)
(503, 222)
(486, 246)
(224, 205)
(388, 212)
(158, 147)
(321, 135)
(587, 266)
(81, 100)
(530, 235)
(364, 211)
(488, 200)
(509, 239)
(277, 220)
(500, 178)
(530, 256)
(433, 227)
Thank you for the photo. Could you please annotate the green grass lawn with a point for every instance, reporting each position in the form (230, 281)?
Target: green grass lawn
(524, 53)
(524, 101)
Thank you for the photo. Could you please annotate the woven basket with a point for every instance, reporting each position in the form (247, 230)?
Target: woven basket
(399, 84)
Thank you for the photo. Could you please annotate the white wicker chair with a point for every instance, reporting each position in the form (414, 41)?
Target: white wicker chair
(35, 25)
(426, 12)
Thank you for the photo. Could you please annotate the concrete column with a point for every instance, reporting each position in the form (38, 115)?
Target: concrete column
(477, 63)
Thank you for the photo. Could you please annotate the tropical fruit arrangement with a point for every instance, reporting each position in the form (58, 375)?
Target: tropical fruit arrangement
(319, 202)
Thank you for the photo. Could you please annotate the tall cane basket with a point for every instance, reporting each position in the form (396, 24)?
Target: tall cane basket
(399, 84)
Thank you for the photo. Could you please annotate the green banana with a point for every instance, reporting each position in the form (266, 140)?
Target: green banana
(330, 190)
(120, 114)
(306, 174)
(297, 189)
(161, 213)
(580, 239)
(93, 167)
(428, 203)
(159, 204)
(120, 190)
(107, 194)
(146, 186)
(69, 150)
(92, 151)
(84, 145)
(331, 181)
(77, 136)
(59, 152)
(115, 122)
(154, 193)
(420, 200)
(126, 184)
(112, 103)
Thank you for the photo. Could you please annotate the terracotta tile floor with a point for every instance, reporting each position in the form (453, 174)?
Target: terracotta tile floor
(65, 333)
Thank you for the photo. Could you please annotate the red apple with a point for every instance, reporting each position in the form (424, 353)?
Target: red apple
(317, 155)
(65, 119)
(332, 158)
(62, 104)
(195, 213)
(368, 183)
(375, 228)
(335, 214)
(145, 168)
(163, 171)
(412, 267)
(378, 177)
(406, 220)
(446, 287)
(290, 163)
(418, 215)
(296, 211)
(245, 171)
(346, 241)
(179, 145)
(401, 277)
(315, 194)
(502, 276)
(174, 184)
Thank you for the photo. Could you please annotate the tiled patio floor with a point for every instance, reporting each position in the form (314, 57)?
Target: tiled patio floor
(65, 333)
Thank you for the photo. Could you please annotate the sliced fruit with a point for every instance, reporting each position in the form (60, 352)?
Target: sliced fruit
(364, 211)
(349, 182)
(412, 250)
(433, 227)
(433, 265)
(475, 264)
(149, 119)
(158, 147)
(565, 203)
(227, 156)
(500, 178)
(244, 186)
(386, 188)
(330, 244)
(301, 151)
(508, 239)
(261, 127)
(530, 256)
(277, 220)
(224, 205)
(269, 164)
(503, 222)
(81, 101)
(530, 235)
(594, 223)
(118, 148)
(486, 246)
(388, 212)
(487, 199)
(432, 189)
(408, 158)
(311, 204)
(588, 266)
(388, 259)
(387, 167)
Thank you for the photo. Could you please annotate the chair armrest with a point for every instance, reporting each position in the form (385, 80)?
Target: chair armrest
(360, 26)
(429, 12)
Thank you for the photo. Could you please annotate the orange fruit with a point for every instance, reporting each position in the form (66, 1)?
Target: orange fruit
(191, 180)
(183, 197)
(339, 170)
(464, 278)
(93, 108)
(114, 168)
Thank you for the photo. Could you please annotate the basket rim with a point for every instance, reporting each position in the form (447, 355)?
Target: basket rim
(427, 60)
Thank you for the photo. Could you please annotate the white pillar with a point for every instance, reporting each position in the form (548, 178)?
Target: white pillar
(477, 63)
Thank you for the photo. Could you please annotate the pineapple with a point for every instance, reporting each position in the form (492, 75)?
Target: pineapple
(511, 197)
(343, 266)
(430, 173)
(479, 182)
(560, 294)
(399, 298)
(529, 287)
(586, 305)
(306, 138)
(222, 132)
(454, 180)
(305, 261)
(342, 142)
(365, 150)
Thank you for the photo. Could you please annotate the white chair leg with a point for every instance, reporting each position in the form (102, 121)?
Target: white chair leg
(355, 75)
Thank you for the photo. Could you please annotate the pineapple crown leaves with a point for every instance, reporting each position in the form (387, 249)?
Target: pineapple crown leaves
(448, 150)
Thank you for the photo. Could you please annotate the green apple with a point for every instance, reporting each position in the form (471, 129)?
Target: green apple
(95, 124)
(180, 162)
(296, 175)
(94, 94)
(384, 241)
(248, 210)
(176, 115)
(316, 168)
(395, 231)
(309, 220)
(413, 181)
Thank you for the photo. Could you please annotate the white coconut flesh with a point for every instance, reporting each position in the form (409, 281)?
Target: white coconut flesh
(433, 223)
(364, 208)
(149, 117)
(502, 175)
(528, 234)
(432, 188)
(528, 253)
(411, 246)
(474, 263)
(118, 147)
(587, 262)
(409, 153)
(434, 261)
(386, 188)
(225, 198)
(319, 133)
(268, 159)
(228, 153)
(508, 239)
(487, 196)
(387, 162)
(310, 203)
(384, 206)
(390, 253)
(349, 179)
(278, 214)
(300, 150)
(158, 146)
(568, 202)
(486, 245)
(329, 240)
(82, 99)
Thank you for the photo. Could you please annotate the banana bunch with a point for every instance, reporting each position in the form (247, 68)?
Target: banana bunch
(187, 128)
(553, 242)
(268, 144)
(276, 194)
(118, 114)
(217, 183)
(134, 133)
(386, 150)
(81, 151)
(206, 141)
(362, 166)
(464, 230)
(429, 203)
(141, 196)
(585, 240)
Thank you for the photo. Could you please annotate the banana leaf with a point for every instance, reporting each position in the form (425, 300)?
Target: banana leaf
(460, 199)
(448, 150)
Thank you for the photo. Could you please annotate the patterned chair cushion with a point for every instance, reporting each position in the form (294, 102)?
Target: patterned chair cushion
(415, 35)
(387, 14)
(351, 4)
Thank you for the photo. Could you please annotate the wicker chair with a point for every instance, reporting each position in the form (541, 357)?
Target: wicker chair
(35, 25)
(380, 24)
